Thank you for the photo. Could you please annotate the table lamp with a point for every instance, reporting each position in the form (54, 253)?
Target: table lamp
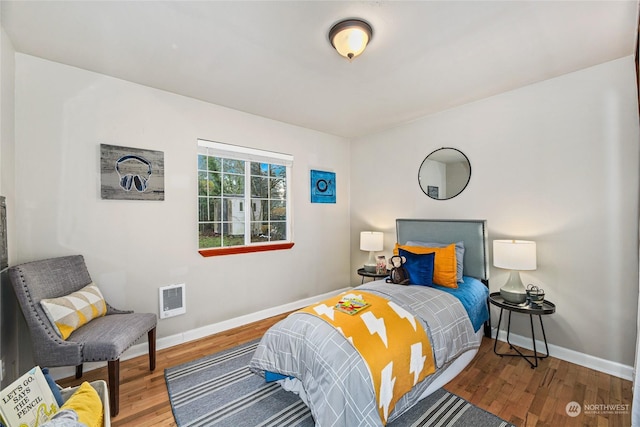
(371, 241)
(514, 255)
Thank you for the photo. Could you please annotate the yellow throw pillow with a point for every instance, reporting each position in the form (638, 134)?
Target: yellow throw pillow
(71, 311)
(444, 265)
(87, 404)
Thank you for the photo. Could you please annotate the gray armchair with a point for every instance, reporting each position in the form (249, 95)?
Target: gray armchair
(102, 339)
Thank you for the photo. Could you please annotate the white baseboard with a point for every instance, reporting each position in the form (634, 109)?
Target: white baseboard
(194, 334)
(608, 367)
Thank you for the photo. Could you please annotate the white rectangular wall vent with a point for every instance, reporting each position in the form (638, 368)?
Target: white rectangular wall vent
(172, 300)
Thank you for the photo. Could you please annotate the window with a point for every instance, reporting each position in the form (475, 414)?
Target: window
(231, 177)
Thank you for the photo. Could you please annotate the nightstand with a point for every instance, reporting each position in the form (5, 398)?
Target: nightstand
(373, 276)
(547, 307)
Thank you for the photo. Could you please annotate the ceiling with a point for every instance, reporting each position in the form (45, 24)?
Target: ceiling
(273, 58)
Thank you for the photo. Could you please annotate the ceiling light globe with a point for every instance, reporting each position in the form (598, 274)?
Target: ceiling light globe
(350, 37)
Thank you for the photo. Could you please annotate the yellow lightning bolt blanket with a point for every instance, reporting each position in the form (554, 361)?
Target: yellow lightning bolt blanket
(391, 341)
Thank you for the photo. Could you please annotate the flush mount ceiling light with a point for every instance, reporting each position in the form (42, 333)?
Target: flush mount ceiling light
(350, 37)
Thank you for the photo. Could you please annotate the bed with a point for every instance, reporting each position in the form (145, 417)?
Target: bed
(309, 356)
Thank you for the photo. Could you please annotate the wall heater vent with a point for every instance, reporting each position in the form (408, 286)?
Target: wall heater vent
(172, 300)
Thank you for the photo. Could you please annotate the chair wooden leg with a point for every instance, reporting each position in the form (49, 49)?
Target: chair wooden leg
(114, 386)
(152, 349)
(79, 371)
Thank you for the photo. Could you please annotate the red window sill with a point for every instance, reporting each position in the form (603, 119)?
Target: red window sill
(245, 249)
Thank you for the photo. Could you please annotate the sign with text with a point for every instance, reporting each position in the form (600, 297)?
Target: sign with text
(28, 401)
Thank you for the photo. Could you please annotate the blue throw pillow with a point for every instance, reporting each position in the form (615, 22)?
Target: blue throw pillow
(53, 386)
(419, 267)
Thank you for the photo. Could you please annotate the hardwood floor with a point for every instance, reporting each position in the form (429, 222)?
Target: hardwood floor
(505, 386)
(510, 389)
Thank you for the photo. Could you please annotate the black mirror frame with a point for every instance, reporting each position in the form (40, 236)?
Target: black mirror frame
(461, 190)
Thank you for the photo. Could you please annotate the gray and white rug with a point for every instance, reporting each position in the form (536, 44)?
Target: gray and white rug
(219, 390)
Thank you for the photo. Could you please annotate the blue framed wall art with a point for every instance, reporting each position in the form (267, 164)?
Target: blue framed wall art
(323, 187)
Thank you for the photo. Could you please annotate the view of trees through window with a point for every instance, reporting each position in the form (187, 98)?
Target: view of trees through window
(240, 202)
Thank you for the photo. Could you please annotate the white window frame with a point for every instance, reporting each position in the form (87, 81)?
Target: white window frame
(229, 151)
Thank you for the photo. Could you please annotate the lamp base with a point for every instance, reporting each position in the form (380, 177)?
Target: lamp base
(370, 268)
(513, 297)
(370, 265)
(514, 291)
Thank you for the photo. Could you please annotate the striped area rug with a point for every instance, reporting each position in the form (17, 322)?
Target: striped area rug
(219, 390)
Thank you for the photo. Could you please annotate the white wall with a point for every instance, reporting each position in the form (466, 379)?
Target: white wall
(555, 162)
(10, 322)
(7, 144)
(134, 247)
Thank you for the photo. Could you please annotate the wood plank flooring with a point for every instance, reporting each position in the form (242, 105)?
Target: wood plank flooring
(505, 386)
(510, 389)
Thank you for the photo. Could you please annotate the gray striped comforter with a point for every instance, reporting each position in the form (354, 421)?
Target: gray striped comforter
(334, 377)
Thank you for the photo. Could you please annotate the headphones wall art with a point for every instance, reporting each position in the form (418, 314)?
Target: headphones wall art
(129, 180)
(131, 173)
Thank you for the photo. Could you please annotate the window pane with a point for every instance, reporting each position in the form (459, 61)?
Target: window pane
(203, 209)
(259, 169)
(233, 185)
(278, 171)
(259, 231)
(233, 233)
(231, 209)
(259, 187)
(202, 184)
(278, 210)
(233, 166)
(214, 184)
(215, 209)
(259, 210)
(209, 235)
(214, 164)
(278, 188)
(202, 162)
(278, 230)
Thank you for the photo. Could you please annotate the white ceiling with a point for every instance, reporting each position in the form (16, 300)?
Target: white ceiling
(273, 58)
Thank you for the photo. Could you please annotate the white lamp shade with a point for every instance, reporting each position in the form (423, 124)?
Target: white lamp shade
(514, 254)
(371, 241)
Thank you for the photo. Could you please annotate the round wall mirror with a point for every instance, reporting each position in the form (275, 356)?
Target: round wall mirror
(444, 173)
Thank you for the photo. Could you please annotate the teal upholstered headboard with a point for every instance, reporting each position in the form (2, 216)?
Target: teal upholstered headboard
(472, 232)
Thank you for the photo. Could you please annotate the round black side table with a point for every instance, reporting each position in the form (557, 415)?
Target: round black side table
(547, 307)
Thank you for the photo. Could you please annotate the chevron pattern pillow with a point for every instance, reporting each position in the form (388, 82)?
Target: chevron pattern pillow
(70, 312)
